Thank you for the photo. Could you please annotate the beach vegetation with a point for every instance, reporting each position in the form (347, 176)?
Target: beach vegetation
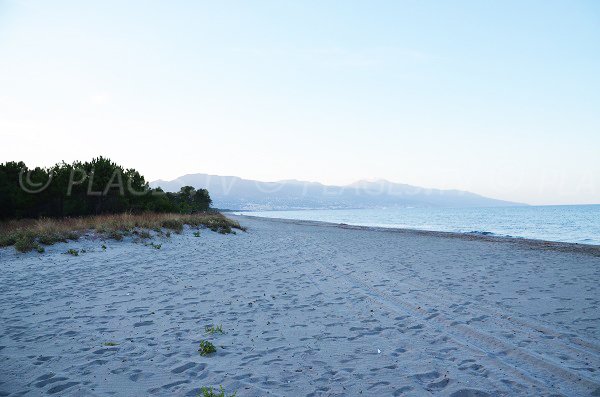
(25, 242)
(206, 348)
(99, 186)
(29, 233)
(110, 344)
(115, 235)
(61, 203)
(210, 392)
(196, 234)
(214, 329)
(143, 234)
(175, 225)
(51, 238)
(7, 240)
(73, 252)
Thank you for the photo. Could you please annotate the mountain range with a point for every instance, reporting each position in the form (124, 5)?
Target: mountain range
(230, 192)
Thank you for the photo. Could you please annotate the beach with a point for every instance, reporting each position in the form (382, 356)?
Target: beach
(307, 309)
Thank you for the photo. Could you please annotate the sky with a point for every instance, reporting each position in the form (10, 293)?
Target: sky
(498, 98)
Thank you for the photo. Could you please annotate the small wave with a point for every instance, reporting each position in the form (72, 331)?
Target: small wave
(481, 233)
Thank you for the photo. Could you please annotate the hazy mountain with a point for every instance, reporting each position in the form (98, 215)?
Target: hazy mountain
(236, 193)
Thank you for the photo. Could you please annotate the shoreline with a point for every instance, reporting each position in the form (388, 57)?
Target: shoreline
(588, 249)
(305, 308)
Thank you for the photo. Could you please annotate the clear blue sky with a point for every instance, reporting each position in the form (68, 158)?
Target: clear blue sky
(500, 98)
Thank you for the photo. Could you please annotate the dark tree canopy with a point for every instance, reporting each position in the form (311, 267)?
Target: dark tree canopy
(87, 188)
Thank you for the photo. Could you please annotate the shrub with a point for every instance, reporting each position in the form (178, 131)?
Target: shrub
(71, 235)
(7, 240)
(115, 235)
(51, 238)
(214, 329)
(144, 234)
(226, 229)
(209, 392)
(206, 348)
(174, 224)
(25, 243)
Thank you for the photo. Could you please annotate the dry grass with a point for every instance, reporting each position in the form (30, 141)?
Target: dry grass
(28, 234)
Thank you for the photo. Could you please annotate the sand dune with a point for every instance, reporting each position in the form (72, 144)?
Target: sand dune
(308, 310)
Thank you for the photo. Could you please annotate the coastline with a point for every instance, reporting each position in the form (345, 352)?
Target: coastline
(588, 249)
(306, 308)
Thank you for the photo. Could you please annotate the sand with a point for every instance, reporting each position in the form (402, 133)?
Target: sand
(307, 309)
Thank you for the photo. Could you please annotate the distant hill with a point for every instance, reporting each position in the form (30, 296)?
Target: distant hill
(230, 192)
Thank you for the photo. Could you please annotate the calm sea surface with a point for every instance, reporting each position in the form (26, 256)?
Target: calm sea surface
(573, 223)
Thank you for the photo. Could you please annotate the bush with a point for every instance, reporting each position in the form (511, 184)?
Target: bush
(7, 240)
(174, 224)
(143, 234)
(209, 392)
(206, 348)
(25, 243)
(225, 229)
(115, 235)
(214, 329)
(71, 235)
(51, 238)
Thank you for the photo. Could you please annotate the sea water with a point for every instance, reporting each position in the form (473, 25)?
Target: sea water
(567, 223)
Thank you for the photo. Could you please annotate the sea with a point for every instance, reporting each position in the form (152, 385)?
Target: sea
(565, 223)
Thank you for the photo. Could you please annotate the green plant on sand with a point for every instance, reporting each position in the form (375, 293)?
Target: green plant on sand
(144, 234)
(155, 246)
(175, 225)
(209, 392)
(206, 348)
(214, 329)
(25, 242)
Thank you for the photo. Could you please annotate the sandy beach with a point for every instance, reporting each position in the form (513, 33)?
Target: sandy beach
(307, 309)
